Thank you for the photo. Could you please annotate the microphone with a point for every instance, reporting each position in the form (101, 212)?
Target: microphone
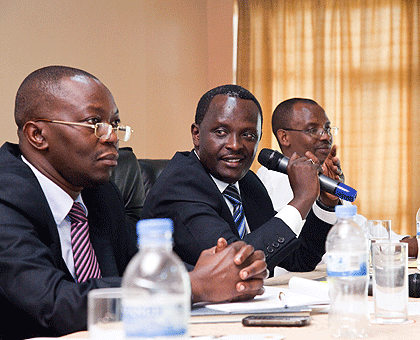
(274, 160)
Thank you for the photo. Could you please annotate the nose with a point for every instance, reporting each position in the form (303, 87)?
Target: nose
(325, 135)
(113, 138)
(234, 142)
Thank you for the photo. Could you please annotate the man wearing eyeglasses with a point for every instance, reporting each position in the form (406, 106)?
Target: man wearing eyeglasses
(301, 125)
(210, 192)
(63, 229)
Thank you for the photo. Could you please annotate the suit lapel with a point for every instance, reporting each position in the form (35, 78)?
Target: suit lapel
(257, 204)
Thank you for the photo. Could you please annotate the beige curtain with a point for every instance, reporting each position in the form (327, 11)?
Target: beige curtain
(360, 61)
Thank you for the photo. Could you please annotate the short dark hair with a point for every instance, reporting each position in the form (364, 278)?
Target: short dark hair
(36, 93)
(283, 113)
(228, 90)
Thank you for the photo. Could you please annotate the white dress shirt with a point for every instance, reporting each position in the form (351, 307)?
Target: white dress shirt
(60, 204)
(290, 215)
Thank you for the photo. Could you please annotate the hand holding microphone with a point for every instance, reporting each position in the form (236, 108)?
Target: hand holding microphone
(274, 160)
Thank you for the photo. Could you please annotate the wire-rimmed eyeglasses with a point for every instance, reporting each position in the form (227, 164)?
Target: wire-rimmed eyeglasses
(318, 132)
(102, 130)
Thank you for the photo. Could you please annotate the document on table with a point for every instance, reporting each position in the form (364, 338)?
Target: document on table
(301, 292)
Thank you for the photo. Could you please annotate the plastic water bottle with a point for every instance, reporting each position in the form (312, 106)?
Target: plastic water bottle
(156, 288)
(347, 255)
(418, 237)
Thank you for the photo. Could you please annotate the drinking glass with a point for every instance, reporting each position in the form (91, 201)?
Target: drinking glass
(390, 282)
(104, 314)
(378, 230)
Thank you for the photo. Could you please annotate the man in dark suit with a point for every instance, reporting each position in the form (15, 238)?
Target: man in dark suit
(191, 189)
(69, 129)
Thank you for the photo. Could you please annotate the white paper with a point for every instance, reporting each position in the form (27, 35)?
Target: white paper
(270, 299)
(309, 287)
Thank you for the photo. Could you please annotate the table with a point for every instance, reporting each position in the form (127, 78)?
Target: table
(318, 329)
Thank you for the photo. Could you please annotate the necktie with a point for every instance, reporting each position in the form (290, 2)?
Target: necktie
(86, 265)
(232, 194)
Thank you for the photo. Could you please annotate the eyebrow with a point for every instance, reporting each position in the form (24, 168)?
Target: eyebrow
(100, 110)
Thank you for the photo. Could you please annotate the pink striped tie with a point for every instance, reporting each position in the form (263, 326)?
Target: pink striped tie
(85, 263)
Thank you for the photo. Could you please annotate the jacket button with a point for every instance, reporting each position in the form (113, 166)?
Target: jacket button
(276, 244)
(281, 240)
(270, 249)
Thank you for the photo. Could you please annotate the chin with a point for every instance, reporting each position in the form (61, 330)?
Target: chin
(94, 182)
(229, 178)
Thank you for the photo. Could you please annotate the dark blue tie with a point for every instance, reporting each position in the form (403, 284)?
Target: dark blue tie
(232, 194)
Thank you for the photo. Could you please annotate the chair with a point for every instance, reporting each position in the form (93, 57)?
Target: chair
(150, 171)
(135, 177)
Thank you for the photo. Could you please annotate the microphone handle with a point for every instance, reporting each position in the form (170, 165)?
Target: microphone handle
(326, 183)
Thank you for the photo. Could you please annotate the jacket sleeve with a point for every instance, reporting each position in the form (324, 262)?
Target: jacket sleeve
(36, 287)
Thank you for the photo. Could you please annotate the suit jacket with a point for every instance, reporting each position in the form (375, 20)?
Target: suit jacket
(186, 193)
(37, 290)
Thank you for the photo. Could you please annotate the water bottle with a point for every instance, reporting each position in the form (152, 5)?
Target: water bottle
(347, 255)
(418, 237)
(156, 289)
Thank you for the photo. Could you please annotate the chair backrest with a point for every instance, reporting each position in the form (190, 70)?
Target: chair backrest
(134, 177)
(150, 171)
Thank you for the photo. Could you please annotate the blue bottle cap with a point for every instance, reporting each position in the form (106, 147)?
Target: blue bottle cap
(345, 211)
(154, 230)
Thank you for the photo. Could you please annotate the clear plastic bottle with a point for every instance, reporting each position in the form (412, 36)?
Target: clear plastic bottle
(347, 255)
(418, 237)
(156, 288)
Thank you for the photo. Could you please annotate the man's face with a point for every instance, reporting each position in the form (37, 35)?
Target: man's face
(75, 153)
(227, 139)
(305, 117)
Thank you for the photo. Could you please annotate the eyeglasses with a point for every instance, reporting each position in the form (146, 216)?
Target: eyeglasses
(318, 132)
(102, 130)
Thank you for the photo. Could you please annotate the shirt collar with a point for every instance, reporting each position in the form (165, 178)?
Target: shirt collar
(59, 201)
(220, 184)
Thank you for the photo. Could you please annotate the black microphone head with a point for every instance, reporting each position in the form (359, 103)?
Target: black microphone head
(269, 158)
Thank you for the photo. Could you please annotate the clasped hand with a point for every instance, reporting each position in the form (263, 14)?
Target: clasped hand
(229, 273)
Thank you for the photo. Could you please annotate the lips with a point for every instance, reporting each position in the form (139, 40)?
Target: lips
(324, 148)
(109, 158)
(233, 159)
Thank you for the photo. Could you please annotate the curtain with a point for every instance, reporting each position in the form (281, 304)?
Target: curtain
(360, 61)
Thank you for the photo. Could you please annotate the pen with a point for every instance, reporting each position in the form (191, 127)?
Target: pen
(283, 299)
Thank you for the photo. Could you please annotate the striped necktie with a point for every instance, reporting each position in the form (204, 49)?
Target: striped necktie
(232, 194)
(86, 265)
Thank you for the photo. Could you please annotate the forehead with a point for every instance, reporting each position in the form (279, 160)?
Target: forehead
(81, 93)
(226, 108)
(308, 114)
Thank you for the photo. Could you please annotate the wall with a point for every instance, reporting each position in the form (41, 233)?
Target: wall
(156, 57)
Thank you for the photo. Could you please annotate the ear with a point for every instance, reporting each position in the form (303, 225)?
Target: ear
(195, 133)
(33, 133)
(283, 137)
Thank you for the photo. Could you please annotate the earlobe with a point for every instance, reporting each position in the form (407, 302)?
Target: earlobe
(33, 134)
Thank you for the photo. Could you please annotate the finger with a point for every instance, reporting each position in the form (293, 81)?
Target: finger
(255, 287)
(257, 269)
(294, 157)
(311, 156)
(221, 245)
(333, 151)
(246, 251)
(250, 296)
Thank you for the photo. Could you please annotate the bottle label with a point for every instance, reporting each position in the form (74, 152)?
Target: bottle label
(345, 264)
(418, 229)
(147, 320)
